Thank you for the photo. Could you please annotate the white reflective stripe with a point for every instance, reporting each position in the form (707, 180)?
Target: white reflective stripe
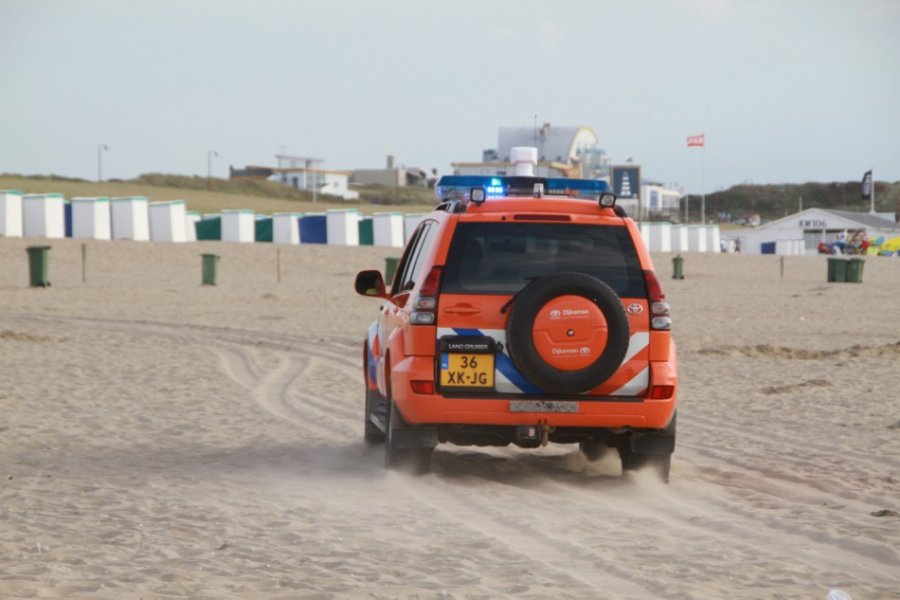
(638, 342)
(637, 384)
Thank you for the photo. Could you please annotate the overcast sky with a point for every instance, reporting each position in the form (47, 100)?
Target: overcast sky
(785, 90)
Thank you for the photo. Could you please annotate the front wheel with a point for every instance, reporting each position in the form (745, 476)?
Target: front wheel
(414, 460)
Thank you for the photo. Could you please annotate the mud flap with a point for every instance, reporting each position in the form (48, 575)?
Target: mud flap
(655, 442)
(418, 437)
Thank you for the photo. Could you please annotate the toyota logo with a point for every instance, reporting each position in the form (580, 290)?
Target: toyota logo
(635, 308)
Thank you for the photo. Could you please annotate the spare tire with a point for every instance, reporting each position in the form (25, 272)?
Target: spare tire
(567, 333)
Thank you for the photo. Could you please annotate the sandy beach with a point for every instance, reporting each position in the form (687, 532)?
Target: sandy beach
(161, 439)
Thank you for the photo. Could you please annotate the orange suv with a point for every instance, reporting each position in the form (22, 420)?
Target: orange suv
(525, 310)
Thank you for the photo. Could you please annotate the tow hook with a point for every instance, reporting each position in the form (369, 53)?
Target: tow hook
(545, 432)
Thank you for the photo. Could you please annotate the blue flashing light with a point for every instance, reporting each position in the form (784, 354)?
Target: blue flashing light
(458, 187)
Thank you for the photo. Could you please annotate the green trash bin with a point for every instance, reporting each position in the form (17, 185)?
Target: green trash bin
(855, 270)
(39, 265)
(678, 267)
(837, 269)
(390, 267)
(210, 269)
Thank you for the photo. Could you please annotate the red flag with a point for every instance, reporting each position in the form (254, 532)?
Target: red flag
(697, 140)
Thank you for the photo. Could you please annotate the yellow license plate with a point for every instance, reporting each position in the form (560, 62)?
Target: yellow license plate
(467, 370)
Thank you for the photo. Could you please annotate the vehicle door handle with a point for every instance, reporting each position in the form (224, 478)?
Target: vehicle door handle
(462, 309)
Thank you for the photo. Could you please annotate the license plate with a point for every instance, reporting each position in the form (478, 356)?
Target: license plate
(467, 371)
(543, 406)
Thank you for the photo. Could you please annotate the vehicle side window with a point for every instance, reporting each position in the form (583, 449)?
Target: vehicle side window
(417, 258)
(407, 258)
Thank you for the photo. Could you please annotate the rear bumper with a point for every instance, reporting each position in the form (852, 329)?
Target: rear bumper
(603, 413)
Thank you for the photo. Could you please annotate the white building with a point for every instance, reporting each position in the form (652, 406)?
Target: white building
(562, 152)
(657, 202)
(300, 172)
(811, 226)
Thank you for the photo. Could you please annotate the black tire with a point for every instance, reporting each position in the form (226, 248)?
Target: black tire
(520, 342)
(660, 464)
(593, 450)
(372, 434)
(411, 460)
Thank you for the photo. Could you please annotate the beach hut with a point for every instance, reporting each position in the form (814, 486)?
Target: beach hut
(286, 228)
(130, 218)
(168, 221)
(313, 229)
(660, 237)
(713, 238)
(697, 238)
(238, 225)
(342, 227)
(191, 218)
(10, 213)
(91, 218)
(209, 227)
(44, 215)
(410, 222)
(67, 217)
(366, 231)
(679, 238)
(263, 228)
(387, 229)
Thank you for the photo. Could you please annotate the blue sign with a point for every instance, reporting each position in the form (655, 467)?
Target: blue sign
(626, 181)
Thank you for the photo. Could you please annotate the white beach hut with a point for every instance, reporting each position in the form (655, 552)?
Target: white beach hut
(660, 237)
(410, 222)
(286, 228)
(238, 225)
(387, 229)
(10, 213)
(680, 238)
(342, 227)
(713, 238)
(44, 215)
(130, 218)
(697, 238)
(190, 225)
(91, 219)
(168, 221)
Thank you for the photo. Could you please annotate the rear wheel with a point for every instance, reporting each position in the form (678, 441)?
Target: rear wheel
(414, 460)
(593, 450)
(374, 407)
(634, 461)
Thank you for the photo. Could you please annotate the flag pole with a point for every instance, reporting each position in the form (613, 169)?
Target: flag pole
(703, 184)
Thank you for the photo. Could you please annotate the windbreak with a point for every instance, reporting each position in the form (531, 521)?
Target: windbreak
(501, 258)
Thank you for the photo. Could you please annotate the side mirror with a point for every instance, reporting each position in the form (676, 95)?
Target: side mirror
(370, 283)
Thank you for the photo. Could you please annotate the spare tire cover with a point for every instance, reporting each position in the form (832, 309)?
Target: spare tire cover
(567, 333)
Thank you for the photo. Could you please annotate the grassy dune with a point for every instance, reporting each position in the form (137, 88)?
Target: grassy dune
(261, 196)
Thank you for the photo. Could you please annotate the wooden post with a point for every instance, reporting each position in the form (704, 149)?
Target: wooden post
(782, 267)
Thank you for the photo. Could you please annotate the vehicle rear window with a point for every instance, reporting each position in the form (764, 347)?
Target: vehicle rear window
(501, 258)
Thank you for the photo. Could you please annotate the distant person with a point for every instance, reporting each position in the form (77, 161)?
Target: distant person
(737, 246)
(841, 241)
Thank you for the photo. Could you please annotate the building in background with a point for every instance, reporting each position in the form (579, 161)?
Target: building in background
(394, 176)
(562, 152)
(807, 229)
(300, 172)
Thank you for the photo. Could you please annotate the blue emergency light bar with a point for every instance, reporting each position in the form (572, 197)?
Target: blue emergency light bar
(459, 187)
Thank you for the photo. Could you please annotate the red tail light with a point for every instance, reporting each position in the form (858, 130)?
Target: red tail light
(432, 283)
(659, 308)
(654, 290)
(661, 392)
(422, 387)
(425, 304)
